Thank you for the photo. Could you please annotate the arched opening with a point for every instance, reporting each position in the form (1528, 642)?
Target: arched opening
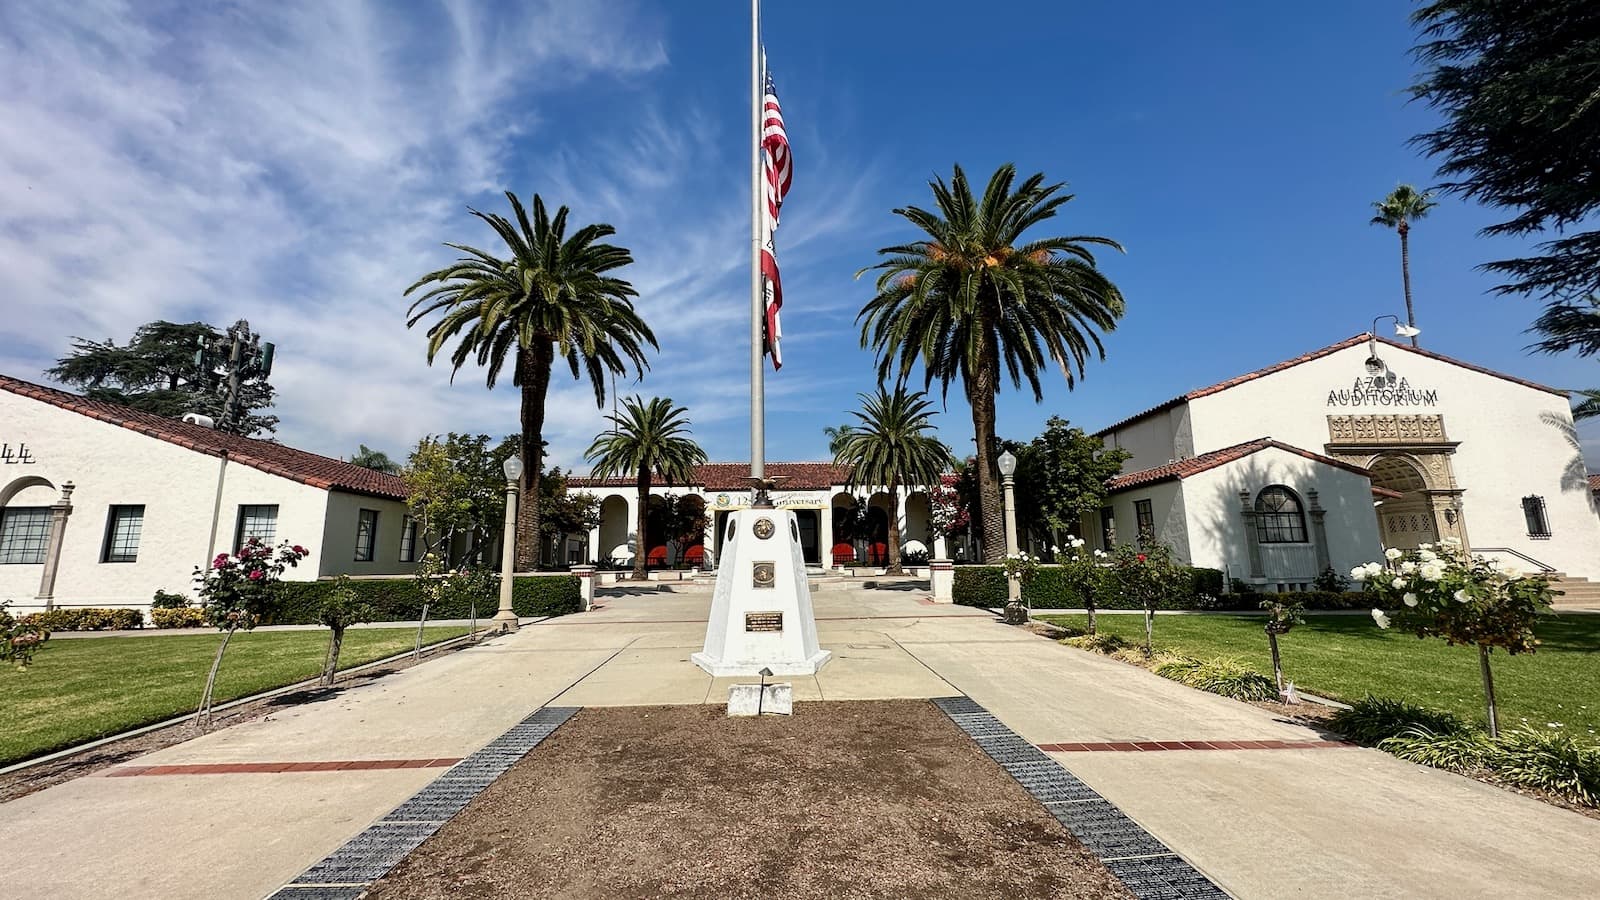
(848, 541)
(615, 527)
(25, 520)
(1405, 521)
(1280, 516)
(918, 536)
(876, 529)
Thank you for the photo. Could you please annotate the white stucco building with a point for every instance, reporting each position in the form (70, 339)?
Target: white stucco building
(1322, 460)
(832, 532)
(103, 505)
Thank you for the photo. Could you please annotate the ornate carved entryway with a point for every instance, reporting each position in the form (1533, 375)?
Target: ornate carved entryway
(1409, 456)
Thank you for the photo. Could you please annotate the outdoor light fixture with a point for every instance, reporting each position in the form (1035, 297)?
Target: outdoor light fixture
(1376, 366)
(1007, 464)
(513, 468)
(506, 618)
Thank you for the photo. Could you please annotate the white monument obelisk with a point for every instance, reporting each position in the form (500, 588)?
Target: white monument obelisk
(761, 615)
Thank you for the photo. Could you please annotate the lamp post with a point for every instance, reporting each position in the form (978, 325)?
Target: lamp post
(506, 618)
(1375, 366)
(1008, 469)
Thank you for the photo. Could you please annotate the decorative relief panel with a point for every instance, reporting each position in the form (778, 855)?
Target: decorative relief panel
(1385, 429)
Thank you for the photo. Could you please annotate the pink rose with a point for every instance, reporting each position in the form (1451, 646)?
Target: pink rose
(300, 550)
(257, 575)
(220, 561)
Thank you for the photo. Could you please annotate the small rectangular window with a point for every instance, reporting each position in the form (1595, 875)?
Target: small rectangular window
(408, 540)
(259, 522)
(124, 525)
(24, 535)
(1146, 520)
(1534, 512)
(366, 534)
(1108, 529)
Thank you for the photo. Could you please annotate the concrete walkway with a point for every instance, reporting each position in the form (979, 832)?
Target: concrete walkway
(1262, 823)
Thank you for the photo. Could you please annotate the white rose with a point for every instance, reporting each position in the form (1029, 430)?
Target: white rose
(1410, 599)
(1359, 573)
(1099, 553)
(1054, 549)
(1408, 568)
(1424, 546)
(1374, 569)
(1380, 618)
(1431, 572)
(1461, 596)
(1398, 583)
(1427, 555)
(1392, 554)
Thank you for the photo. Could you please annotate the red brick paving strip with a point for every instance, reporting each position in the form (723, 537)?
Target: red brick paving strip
(1155, 746)
(276, 767)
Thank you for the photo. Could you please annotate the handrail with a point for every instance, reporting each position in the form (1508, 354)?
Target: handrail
(1543, 567)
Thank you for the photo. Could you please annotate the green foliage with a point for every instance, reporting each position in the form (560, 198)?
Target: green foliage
(1329, 581)
(1224, 676)
(1515, 86)
(400, 599)
(19, 641)
(85, 619)
(1060, 586)
(554, 296)
(1549, 761)
(156, 372)
(377, 460)
(649, 439)
(892, 444)
(343, 606)
(167, 600)
(1284, 611)
(456, 486)
(1148, 576)
(981, 586)
(1460, 752)
(1100, 642)
(1061, 475)
(1373, 719)
(177, 617)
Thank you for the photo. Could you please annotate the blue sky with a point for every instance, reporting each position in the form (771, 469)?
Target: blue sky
(299, 164)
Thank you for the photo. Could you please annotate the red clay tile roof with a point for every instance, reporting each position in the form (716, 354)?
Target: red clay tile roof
(1594, 483)
(274, 459)
(735, 476)
(1308, 357)
(1194, 465)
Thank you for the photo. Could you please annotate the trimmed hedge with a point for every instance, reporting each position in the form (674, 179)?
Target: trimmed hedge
(177, 617)
(400, 600)
(86, 619)
(985, 586)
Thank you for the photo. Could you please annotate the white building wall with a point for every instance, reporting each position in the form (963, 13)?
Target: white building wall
(1515, 441)
(111, 465)
(1156, 440)
(1216, 530)
(338, 555)
(1168, 512)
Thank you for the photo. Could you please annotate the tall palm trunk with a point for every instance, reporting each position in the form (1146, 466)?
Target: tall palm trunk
(894, 527)
(533, 373)
(1405, 274)
(992, 530)
(641, 546)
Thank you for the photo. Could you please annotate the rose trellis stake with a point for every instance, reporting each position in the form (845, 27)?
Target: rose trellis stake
(1445, 592)
(236, 592)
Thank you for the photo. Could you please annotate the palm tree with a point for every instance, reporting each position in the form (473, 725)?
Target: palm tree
(972, 294)
(890, 446)
(1398, 210)
(377, 460)
(649, 438)
(551, 298)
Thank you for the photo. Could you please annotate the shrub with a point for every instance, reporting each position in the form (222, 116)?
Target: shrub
(400, 599)
(1227, 677)
(85, 619)
(1548, 761)
(165, 600)
(1372, 719)
(1096, 643)
(1453, 752)
(1053, 587)
(19, 641)
(914, 558)
(177, 617)
(982, 586)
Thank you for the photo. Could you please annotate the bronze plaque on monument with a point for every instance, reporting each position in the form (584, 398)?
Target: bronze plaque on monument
(764, 574)
(763, 621)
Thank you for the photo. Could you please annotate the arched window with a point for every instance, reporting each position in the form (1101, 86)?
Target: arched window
(1280, 519)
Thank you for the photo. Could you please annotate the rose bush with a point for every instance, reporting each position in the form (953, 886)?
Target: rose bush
(1443, 591)
(236, 592)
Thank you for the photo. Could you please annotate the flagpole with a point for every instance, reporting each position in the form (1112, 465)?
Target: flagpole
(758, 314)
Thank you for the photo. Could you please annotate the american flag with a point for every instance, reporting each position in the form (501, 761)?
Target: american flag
(778, 167)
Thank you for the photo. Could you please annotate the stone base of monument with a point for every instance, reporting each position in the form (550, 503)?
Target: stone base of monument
(761, 614)
(761, 700)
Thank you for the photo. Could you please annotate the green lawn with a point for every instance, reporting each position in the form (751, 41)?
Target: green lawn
(81, 689)
(1345, 657)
